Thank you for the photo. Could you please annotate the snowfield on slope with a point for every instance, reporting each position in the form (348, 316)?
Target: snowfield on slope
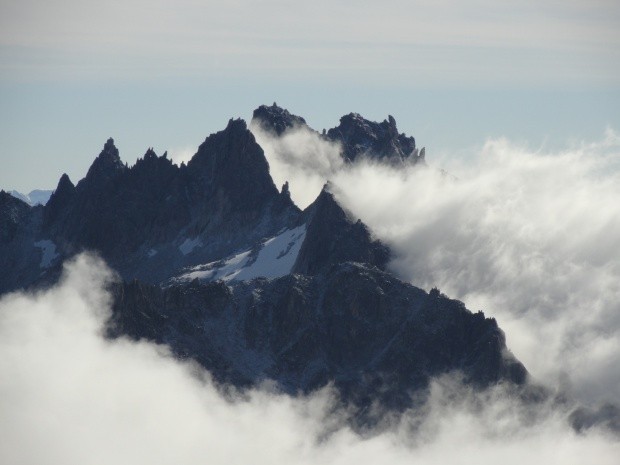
(274, 259)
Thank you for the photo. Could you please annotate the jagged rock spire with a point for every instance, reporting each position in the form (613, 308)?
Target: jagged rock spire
(361, 137)
(64, 185)
(107, 162)
(110, 148)
(333, 237)
(275, 119)
(59, 200)
(232, 164)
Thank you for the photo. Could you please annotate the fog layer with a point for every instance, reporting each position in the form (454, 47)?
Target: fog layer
(67, 395)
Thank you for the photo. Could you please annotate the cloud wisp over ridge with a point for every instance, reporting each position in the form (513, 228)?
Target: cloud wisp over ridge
(301, 157)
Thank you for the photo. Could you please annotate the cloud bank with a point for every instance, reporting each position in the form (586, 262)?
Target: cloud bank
(529, 237)
(67, 395)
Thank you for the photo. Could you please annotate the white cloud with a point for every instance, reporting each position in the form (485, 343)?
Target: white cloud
(69, 396)
(529, 237)
(180, 155)
(301, 157)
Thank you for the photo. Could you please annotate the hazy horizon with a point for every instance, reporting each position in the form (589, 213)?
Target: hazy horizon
(153, 74)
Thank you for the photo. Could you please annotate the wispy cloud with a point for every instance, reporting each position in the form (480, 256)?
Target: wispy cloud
(301, 157)
(446, 41)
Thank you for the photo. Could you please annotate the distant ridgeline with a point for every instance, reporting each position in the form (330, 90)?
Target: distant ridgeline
(222, 266)
(35, 197)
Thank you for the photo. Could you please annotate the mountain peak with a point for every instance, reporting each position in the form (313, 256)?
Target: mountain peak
(110, 153)
(230, 166)
(6, 198)
(229, 148)
(150, 153)
(333, 237)
(64, 184)
(34, 197)
(107, 162)
(361, 137)
(236, 125)
(276, 119)
(59, 200)
(109, 147)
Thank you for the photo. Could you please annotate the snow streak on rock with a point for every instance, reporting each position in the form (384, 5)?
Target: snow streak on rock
(275, 258)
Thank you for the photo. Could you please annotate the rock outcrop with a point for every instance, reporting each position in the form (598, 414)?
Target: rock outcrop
(361, 137)
(276, 120)
(357, 136)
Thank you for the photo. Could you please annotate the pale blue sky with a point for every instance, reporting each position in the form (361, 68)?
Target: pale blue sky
(167, 74)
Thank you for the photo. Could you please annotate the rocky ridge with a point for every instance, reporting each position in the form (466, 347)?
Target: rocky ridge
(181, 237)
(357, 136)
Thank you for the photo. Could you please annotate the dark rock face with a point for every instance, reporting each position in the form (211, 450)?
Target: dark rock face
(114, 208)
(139, 218)
(60, 200)
(333, 238)
(231, 174)
(374, 337)
(14, 214)
(360, 137)
(19, 257)
(105, 166)
(276, 120)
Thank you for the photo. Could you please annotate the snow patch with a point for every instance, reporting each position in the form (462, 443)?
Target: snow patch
(48, 250)
(189, 244)
(225, 270)
(275, 258)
